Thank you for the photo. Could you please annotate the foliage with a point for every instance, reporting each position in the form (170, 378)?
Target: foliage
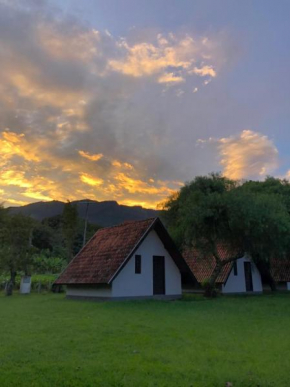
(16, 250)
(45, 280)
(213, 210)
(43, 237)
(49, 341)
(3, 219)
(203, 197)
(262, 222)
(59, 248)
(28, 246)
(91, 230)
(44, 262)
(280, 188)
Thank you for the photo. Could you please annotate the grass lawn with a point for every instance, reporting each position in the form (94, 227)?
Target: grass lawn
(46, 340)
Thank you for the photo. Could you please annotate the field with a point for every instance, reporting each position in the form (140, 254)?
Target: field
(46, 340)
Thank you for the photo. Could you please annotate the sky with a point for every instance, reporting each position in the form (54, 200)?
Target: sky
(127, 100)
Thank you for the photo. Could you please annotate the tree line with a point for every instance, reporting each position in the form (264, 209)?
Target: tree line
(247, 217)
(28, 246)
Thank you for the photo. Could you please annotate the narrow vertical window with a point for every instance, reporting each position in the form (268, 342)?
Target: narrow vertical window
(137, 264)
(235, 268)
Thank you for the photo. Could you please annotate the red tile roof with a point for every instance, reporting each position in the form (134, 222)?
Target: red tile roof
(202, 267)
(280, 270)
(110, 248)
(104, 253)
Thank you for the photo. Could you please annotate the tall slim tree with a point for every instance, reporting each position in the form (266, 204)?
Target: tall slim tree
(69, 227)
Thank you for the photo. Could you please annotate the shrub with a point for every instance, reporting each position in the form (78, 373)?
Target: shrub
(45, 281)
(44, 263)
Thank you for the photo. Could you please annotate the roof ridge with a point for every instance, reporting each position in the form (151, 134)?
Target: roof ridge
(126, 222)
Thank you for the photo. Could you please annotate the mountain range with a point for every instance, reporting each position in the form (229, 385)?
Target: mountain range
(107, 213)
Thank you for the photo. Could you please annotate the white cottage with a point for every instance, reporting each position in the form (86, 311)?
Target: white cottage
(240, 276)
(136, 259)
(280, 272)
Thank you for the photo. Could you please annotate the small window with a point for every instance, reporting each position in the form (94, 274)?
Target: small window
(137, 264)
(235, 268)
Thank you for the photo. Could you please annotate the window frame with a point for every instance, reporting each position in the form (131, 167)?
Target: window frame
(138, 264)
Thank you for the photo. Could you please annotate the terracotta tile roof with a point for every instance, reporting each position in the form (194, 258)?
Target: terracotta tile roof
(110, 248)
(104, 253)
(280, 270)
(202, 267)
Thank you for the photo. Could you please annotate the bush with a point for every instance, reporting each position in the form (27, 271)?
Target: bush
(4, 278)
(44, 281)
(44, 263)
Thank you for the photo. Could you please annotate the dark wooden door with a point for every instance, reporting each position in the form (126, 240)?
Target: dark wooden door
(158, 275)
(248, 276)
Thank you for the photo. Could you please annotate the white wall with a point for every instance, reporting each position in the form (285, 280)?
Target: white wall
(25, 285)
(88, 291)
(127, 283)
(237, 284)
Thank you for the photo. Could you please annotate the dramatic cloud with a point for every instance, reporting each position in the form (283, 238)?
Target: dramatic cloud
(84, 114)
(249, 155)
(145, 59)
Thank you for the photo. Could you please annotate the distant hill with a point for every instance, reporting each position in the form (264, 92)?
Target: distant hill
(107, 213)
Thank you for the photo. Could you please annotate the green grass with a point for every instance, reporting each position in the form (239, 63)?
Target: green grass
(46, 340)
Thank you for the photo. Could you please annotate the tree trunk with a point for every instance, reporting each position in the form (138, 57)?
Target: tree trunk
(10, 284)
(210, 290)
(13, 277)
(272, 284)
(9, 288)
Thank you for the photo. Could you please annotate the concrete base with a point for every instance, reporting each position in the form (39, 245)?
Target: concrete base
(159, 297)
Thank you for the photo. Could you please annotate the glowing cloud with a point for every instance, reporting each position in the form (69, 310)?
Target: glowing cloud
(12, 144)
(170, 78)
(249, 155)
(14, 178)
(118, 164)
(138, 186)
(36, 195)
(90, 180)
(90, 157)
(147, 59)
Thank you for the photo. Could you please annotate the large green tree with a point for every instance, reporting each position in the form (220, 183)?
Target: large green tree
(16, 248)
(214, 210)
